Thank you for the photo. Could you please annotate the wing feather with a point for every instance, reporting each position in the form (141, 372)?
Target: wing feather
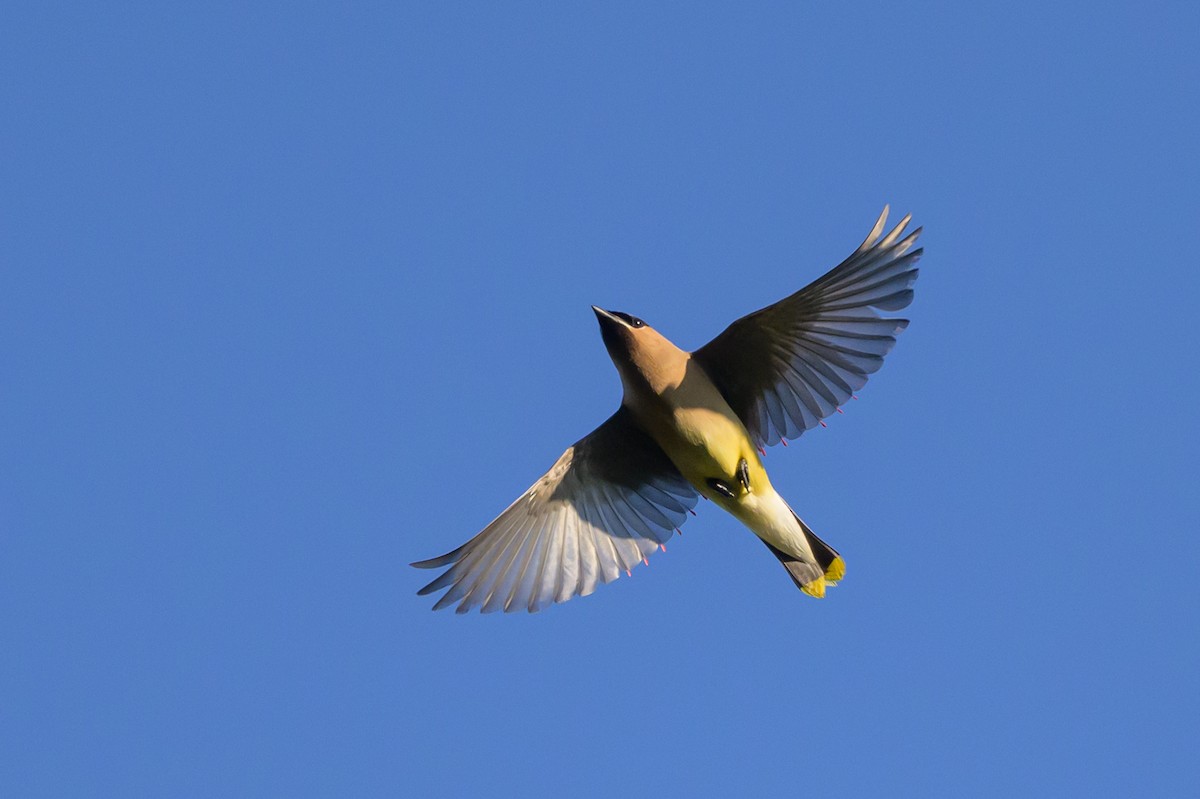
(602, 508)
(786, 367)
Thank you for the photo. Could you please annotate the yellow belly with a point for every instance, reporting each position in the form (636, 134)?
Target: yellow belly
(703, 437)
(707, 443)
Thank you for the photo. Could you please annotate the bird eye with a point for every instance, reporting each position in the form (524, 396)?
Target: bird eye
(628, 319)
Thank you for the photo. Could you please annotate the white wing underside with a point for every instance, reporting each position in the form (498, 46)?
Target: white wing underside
(610, 501)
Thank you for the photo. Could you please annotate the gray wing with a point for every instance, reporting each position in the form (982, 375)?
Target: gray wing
(610, 500)
(788, 366)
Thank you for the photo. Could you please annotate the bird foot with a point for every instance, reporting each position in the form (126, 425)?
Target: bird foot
(744, 473)
(721, 487)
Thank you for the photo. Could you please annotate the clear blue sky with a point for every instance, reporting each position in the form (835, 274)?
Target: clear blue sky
(292, 296)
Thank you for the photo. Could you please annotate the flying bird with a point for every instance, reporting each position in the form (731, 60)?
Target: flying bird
(693, 424)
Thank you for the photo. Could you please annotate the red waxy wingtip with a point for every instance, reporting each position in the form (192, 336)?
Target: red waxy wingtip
(679, 531)
(762, 452)
(824, 425)
(783, 441)
(645, 560)
(628, 573)
(839, 410)
(663, 547)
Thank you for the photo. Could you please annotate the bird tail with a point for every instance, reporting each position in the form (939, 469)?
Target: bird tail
(812, 577)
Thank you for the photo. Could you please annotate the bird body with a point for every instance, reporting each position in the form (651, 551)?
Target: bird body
(673, 399)
(692, 424)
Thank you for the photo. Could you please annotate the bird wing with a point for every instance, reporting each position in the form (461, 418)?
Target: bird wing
(610, 500)
(784, 368)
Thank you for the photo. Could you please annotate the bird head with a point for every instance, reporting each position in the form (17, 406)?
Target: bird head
(623, 334)
(640, 352)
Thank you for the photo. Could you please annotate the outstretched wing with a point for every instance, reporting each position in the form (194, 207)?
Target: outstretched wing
(610, 500)
(784, 368)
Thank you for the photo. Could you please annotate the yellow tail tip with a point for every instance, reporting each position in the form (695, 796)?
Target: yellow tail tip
(815, 588)
(836, 571)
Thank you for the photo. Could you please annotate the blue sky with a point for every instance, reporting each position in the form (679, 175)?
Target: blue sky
(293, 295)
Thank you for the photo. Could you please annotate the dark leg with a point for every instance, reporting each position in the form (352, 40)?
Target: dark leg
(720, 487)
(744, 473)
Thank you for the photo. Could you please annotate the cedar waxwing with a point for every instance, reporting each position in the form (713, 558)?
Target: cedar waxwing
(690, 425)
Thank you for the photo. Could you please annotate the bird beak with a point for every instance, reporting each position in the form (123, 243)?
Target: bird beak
(611, 329)
(604, 316)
